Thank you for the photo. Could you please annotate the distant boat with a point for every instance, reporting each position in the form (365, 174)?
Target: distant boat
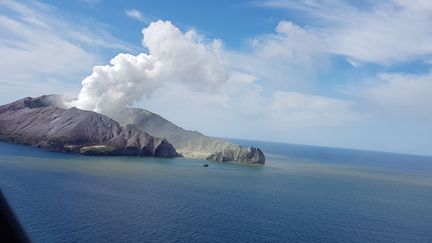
(205, 165)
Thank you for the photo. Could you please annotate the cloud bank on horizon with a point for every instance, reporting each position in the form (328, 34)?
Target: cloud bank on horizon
(356, 75)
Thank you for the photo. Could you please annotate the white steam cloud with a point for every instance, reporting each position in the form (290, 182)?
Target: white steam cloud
(173, 56)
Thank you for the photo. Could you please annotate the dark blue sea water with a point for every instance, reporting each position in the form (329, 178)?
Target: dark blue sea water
(303, 193)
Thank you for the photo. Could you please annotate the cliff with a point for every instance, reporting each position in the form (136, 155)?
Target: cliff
(249, 155)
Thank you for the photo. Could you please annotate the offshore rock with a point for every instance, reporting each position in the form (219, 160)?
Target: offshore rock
(249, 155)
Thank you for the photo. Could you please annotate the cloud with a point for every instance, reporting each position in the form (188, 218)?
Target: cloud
(135, 14)
(244, 109)
(390, 33)
(290, 43)
(183, 71)
(173, 56)
(186, 57)
(297, 108)
(383, 32)
(40, 46)
(400, 94)
(290, 58)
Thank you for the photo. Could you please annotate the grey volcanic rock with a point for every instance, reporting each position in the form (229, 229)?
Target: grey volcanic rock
(249, 155)
(189, 143)
(38, 122)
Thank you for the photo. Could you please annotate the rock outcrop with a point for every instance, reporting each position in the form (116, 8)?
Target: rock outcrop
(189, 143)
(249, 155)
(41, 123)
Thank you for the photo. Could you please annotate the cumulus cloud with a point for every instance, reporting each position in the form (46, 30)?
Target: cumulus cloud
(186, 57)
(173, 56)
(135, 14)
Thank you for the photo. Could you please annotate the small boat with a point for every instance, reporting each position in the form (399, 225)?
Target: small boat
(205, 165)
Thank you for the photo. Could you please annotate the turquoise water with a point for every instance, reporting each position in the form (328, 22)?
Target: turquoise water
(303, 193)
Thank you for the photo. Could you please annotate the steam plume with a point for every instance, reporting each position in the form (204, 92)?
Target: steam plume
(173, 56)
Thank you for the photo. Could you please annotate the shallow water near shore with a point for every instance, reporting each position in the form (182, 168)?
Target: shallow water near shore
(303, 193)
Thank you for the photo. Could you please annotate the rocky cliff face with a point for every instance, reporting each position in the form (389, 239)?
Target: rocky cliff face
(37, 122)
(189, 143)
(249, 155)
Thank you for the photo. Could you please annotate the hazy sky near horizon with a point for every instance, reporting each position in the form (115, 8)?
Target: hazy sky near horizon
(338, 73)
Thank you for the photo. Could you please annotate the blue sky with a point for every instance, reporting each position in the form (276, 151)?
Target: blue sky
(338, 73)
(215, 19)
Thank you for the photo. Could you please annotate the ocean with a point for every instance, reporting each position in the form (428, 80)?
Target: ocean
(302, 194)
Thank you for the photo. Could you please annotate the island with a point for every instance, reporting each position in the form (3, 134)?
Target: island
(46, 122)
